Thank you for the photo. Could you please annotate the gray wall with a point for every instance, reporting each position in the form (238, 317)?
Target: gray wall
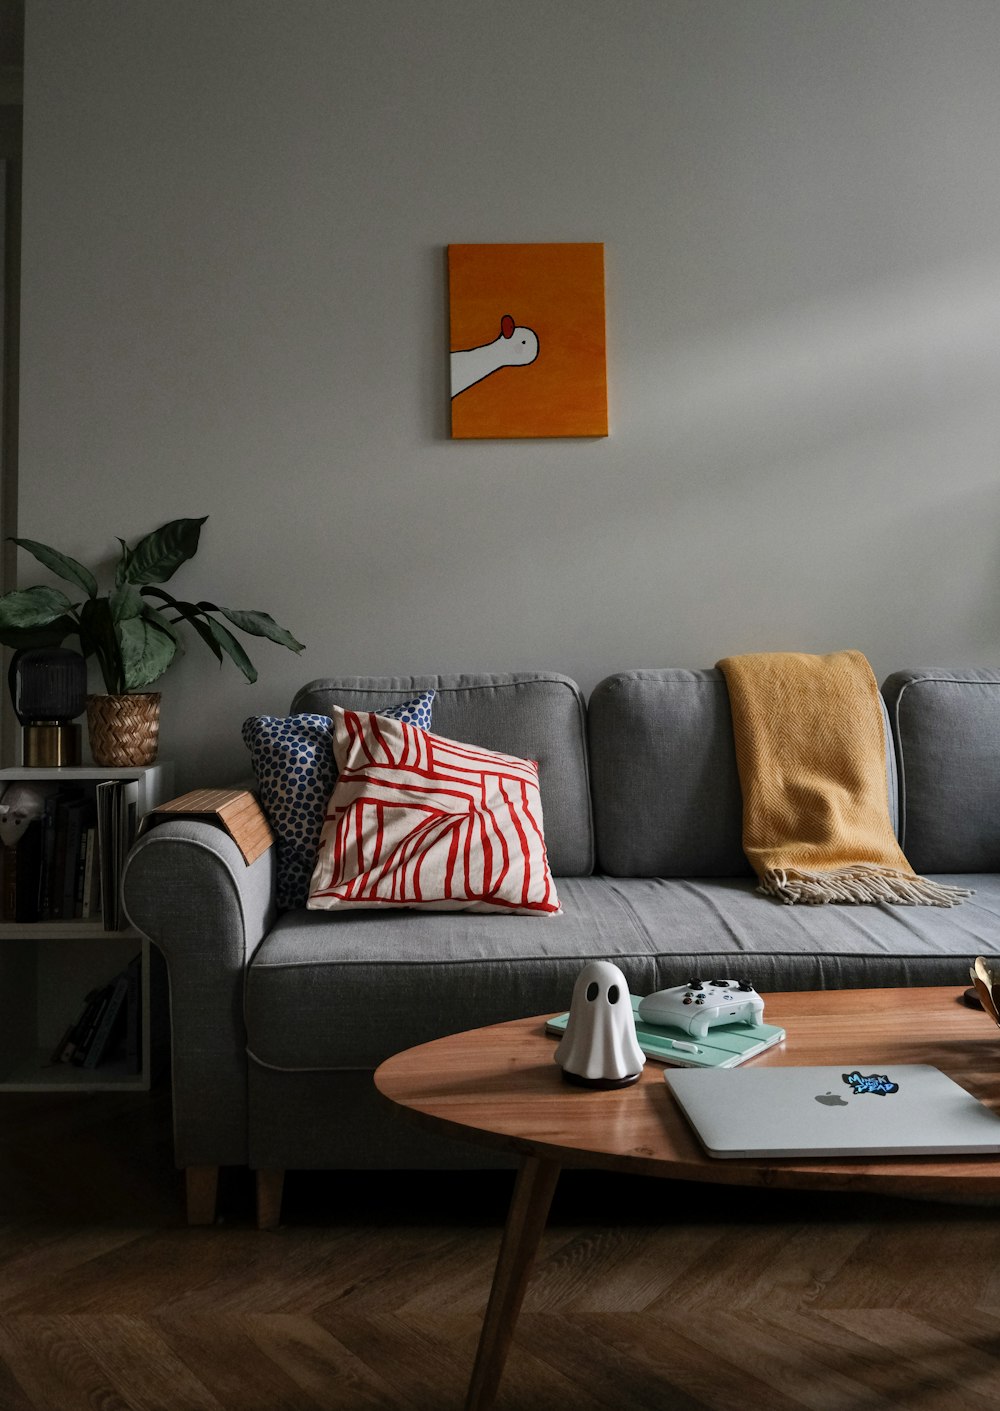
(234, 304)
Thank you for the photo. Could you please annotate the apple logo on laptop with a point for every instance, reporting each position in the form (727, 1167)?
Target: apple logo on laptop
(831, 1100)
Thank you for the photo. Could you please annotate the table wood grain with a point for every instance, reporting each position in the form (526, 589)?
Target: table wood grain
(501, 1087)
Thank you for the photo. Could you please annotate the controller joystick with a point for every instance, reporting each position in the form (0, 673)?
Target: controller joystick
(698, 1007)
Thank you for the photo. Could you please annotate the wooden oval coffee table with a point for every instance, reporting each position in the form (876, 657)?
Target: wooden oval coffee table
(499, 1086)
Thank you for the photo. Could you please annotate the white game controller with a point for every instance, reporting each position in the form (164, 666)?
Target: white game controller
(701, 1005)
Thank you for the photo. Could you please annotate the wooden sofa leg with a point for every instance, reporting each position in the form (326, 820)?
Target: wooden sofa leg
(269, 1187)
(202, 1184)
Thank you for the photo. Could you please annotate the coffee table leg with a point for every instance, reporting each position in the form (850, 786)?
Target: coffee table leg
(529, 1209)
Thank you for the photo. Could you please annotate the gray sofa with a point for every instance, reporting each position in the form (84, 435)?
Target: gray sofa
(278, 1019)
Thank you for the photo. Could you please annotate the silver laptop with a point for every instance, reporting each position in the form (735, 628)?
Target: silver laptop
(906, 1110)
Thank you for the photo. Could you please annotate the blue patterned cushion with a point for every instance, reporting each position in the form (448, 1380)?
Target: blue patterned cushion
(293, 760)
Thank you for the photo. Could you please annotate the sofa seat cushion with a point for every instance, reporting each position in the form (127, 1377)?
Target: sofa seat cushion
(349, 989)
(346, 991)
(778, 947)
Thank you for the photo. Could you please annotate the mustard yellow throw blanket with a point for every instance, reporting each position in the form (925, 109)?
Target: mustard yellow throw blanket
(810, 749)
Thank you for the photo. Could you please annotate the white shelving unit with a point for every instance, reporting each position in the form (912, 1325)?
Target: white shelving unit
(47, 967)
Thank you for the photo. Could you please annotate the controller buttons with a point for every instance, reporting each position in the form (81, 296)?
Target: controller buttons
(688, 999)
(700, 999)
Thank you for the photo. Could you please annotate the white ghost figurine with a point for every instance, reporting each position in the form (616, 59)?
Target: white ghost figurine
(20, 804)
(599, 1048)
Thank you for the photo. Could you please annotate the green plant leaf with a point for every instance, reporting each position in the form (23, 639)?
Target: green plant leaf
(186, 612)
(232, 648)
(203, 632)
(53, 634)
(165, 625)
(121, 567)
(98, 638)
(146, 651)
(260, 624)
(125, 602)
(61, 565)
(160, 554)
(32, 607)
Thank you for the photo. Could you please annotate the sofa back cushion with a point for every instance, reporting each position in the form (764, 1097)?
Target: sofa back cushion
(946, 726)
(667, 798)
(535, 715)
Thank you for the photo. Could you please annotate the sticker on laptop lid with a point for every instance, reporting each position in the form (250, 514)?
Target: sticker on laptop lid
(878, 1083)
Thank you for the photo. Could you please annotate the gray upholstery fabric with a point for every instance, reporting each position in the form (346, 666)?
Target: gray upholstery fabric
(376, 986)
(188, 889)
(338, 1121)
(348, 993)
(534, 715)
(666, 791)
(667, 799)
(947, 729)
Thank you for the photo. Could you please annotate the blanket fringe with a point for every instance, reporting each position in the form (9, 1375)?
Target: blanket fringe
(862, 882)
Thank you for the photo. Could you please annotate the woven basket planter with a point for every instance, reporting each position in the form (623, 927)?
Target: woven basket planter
(124, 730)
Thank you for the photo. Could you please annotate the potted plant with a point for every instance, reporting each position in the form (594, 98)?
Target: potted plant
(130, 631)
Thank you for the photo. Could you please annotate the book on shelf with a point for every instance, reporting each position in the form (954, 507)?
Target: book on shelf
(70, 870)
(91, 1025)
(63, 821)
(90, 900)
(28, 866)
(73, 1037)
(109, 1028)
(133, 1016)
(108, 1025)
(8, 882)
(48, 848)
(67, 864)
(116, 821)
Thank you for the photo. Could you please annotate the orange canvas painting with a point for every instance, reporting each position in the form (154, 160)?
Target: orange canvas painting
(527, 340)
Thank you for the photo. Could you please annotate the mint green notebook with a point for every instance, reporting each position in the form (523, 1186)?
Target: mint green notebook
(723, 1047)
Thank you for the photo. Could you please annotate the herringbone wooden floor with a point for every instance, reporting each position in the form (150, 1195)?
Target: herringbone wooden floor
(647, 1296)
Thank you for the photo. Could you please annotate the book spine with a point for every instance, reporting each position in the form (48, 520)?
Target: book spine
(101, 1042)
(74, 1034)
(93, 1024)
(47, 858)
(8, 883)
(133, 1017)
(88, 905)
(71, 858)
(29, 857)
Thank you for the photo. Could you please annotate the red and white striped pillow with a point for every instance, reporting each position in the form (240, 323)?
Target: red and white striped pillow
(416, 820)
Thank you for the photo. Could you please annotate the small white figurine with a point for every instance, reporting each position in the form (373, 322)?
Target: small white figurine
(20, 804)
(599, 1048)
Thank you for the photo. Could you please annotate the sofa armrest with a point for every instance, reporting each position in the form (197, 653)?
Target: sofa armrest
(187, 888)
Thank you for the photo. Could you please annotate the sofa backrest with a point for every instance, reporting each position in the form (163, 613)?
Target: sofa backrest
(535, 715)
(666, 791)
(946, 726)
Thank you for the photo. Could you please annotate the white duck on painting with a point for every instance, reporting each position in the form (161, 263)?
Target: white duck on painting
(515, 347)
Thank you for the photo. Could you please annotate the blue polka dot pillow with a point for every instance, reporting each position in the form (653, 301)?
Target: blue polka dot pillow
(293, 760)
